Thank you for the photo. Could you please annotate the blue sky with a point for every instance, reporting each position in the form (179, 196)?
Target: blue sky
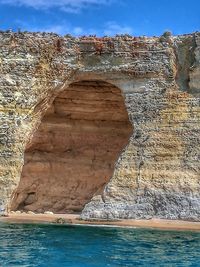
(101, 17)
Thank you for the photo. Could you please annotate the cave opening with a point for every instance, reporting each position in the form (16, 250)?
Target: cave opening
(72, 154)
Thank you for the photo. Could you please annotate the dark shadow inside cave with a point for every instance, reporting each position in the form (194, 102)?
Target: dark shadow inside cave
(72, 154)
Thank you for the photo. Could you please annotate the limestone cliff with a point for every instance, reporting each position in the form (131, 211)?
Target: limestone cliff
(72, 154)
(111, 122)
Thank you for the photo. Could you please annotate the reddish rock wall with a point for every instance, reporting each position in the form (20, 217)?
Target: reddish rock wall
(72, 155)
(156, 175)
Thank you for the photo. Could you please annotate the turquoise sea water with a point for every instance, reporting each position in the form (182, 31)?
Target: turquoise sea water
(28, 245)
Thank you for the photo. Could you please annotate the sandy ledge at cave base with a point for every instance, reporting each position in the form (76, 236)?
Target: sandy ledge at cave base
(74, 219)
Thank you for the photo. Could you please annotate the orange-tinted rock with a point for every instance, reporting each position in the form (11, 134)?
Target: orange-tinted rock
(72, 155)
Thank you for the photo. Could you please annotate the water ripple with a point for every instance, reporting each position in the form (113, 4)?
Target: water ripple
(26, 245)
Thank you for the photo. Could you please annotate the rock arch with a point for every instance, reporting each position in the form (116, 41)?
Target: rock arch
(71, 156)
(157, 174)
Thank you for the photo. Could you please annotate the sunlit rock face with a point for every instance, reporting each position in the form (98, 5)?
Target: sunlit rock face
(123, 143)
(72, 155)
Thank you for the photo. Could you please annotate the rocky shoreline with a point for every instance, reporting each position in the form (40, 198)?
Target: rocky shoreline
(74, 219)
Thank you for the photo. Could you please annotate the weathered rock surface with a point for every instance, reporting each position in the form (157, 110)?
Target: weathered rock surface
(71, 157)
(157, 173)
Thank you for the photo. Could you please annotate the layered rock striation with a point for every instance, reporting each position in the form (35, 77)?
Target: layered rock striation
(106, 126)
(72, 154)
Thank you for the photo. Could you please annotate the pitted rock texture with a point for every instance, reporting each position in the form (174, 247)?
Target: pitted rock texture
(157, 173)
(72, 155)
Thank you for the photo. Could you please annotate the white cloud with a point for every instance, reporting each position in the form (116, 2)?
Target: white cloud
(65, 5)
(60, 29)
(64, 27)
(112, 28)
(78, 31)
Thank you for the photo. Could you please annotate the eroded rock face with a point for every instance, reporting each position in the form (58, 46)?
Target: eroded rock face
(156, 175)
(72, 155)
